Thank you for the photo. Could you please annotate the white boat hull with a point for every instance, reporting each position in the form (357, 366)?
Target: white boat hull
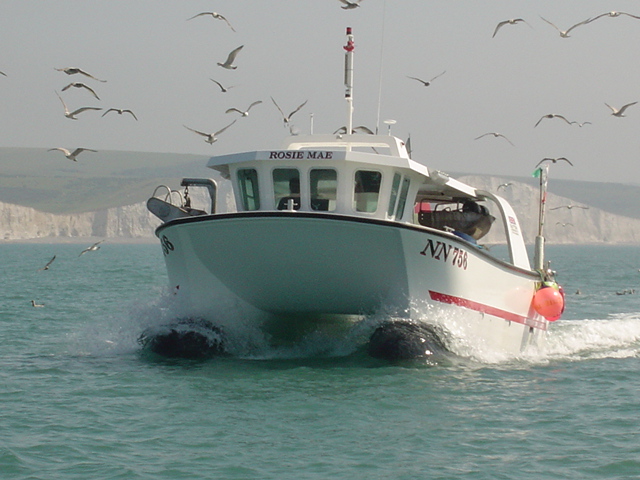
(302, 264)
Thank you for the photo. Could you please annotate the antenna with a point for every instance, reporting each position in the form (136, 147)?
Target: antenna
(384, 15)
(388, 123)
(348, 79)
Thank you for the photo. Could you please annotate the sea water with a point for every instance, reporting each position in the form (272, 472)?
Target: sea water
(80, 399)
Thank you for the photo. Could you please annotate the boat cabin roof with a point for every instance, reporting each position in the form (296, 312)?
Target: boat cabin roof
(377, 151)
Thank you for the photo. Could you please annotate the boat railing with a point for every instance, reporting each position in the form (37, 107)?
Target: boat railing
(169, 195)
(167, 207)
(395, 146)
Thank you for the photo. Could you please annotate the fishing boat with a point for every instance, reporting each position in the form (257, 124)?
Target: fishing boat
(347, 225)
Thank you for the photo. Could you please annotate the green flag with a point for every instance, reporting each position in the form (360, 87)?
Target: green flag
(537, 172)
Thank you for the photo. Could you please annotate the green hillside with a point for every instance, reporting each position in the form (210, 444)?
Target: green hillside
(49, 182)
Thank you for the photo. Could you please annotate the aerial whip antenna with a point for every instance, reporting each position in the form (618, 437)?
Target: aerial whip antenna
(384, 10)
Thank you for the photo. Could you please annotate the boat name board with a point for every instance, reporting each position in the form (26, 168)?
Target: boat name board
(442, 251)
(300, 155)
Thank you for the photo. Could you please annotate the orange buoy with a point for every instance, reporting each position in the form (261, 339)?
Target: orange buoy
(549, 303)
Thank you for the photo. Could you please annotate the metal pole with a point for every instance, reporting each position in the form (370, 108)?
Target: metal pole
(539, 245)
(348, 79)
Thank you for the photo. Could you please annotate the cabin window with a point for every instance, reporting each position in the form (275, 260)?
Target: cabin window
(248, 182)
(324, 188)
(395, 187)
(366, 190)
(286, 188)
(403, 198)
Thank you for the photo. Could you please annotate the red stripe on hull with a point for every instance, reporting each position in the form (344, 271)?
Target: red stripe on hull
(496, 312)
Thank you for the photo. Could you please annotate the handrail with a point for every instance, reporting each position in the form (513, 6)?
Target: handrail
(208, 183)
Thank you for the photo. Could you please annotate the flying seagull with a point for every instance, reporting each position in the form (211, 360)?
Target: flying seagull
(243, 113)
(504, 185)
(120, 112)
(425, 83)
(224, 89)
(287, 118)
(73, 71)
(72, 155)
(72, 115)
(511, 21)
(581, 124)
(81, 85)
(348, 5)
(564, 224)
(358, 129)
(228, 63)
(551, 115)
(92, 248)
(33, 303)
(215, 15)
(554, 160)
(496, 135)
(293, 130)
(210, 138)
(46, 267)
(619, 112)
(613, 14)
(565, 33)
(569, 207)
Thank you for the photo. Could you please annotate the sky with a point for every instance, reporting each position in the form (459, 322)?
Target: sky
(160, 65)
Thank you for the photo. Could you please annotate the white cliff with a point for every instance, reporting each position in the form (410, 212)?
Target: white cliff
(568, 226)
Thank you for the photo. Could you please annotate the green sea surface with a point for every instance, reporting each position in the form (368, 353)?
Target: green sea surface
(81, 400)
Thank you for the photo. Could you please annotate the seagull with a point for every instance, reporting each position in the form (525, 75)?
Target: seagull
(613, 14)
(350, 5)
(46, 267)
(564, 224)
(120, 112)
(73, 71)
(511, 21)
(228, 63)
(72, 155)
(358, 129)
(569, 207)
(224, 90)
(92, 248)
(496, 135)
(554, 160)
(215, 15)
(565, 33)
(81, 85)
(33, 303)
(581, 124)
(243, 113)
(293, 130)
(551, 115)
(287, 118)
(619, 112)
(504, 185)
(426, 84)
(72, 115)
(210, 138)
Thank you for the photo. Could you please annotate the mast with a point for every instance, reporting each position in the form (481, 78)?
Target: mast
(348, 80)
(543, 174)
